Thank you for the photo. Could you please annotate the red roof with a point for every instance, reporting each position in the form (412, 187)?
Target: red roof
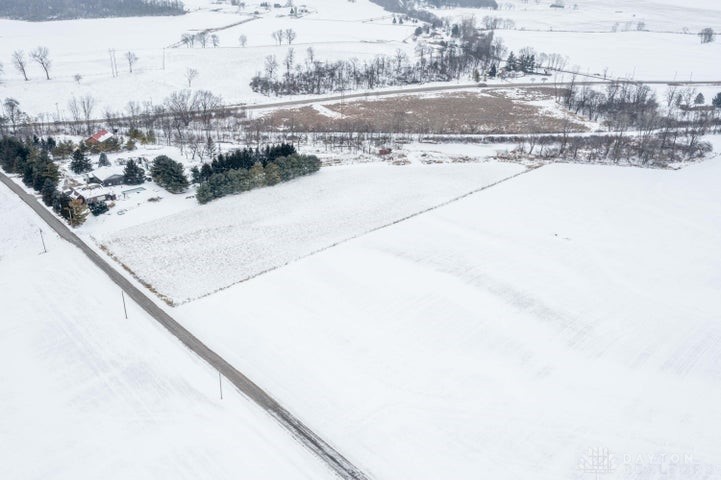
(100, 136)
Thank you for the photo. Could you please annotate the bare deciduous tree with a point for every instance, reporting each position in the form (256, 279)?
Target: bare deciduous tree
(12, 111)
(215, 40)
(206, 103)
(271, 65)
(42, 56)
(20, 63)
(187, 39)
(278, 36)
(87, 104)
(132, 60)
(202, 39)
(190, 75)
(243, 40)
(290, 35)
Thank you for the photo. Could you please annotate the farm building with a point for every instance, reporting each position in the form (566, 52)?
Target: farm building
(99, 137)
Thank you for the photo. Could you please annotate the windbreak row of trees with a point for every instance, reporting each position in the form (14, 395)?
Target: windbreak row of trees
(280, 169)
(31, 159)
(63, 9)
(243, 158)
(476, 51)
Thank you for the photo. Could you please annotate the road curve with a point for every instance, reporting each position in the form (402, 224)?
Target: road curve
(335, 461)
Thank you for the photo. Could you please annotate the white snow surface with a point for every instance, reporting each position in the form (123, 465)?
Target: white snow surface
(198, 251)
(508, 335)
(88, 394)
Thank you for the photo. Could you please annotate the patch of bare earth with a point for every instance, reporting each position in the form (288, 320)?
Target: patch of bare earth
(487, 112)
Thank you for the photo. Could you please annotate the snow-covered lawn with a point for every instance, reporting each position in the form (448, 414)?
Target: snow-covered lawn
(203, 249)
(88, 394)
(506, 334)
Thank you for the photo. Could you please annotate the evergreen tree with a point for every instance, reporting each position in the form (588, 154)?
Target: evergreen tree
(133, 174)
(511, 63)
(103, 160)
(169, 174)
(80, 163)
(272, 174)
(493, 72)
(61, 204)
(716, 102)
(700, 99)
(205, 172)
(48, 192)
(195, 175)
(257, 175)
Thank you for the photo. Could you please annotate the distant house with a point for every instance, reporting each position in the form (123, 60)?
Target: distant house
(99, 137)
(106, 181)
(91, 194)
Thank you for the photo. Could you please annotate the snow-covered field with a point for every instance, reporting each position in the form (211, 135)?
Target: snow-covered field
(198, 251)
(335, 29)
(88, 394)
(504, 335)
(601, 15)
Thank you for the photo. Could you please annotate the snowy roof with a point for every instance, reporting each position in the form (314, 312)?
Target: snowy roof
(92, 192)
(101, 136)
(103, 173)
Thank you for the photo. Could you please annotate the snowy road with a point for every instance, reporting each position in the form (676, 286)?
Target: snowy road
(337, 462)
(396, 91)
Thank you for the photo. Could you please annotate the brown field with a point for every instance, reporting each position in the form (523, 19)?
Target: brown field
(486, 112)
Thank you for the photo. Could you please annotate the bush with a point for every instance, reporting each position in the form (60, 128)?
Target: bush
(98, 208)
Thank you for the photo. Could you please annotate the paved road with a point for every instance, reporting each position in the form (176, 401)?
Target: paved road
(231, 108)
(337, 462)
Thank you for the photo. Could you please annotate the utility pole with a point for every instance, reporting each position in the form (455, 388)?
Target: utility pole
(163, 58)
(122, 293)
(220, 384)
(45, 250)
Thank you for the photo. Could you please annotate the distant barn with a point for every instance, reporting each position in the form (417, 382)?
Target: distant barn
(99, 137)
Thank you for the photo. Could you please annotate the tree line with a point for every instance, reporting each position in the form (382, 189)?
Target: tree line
(30, 158)
(247, 169)
(471, 52)
(38, 10)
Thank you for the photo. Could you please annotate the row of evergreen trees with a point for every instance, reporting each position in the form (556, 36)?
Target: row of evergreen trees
(31, 159)
(236, 180)
(242, 158)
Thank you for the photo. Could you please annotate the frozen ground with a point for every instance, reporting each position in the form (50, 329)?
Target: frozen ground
(601, 15)
(504, 335)
(87, 394)
(637, 55)
(335, 29)
(201, 250)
